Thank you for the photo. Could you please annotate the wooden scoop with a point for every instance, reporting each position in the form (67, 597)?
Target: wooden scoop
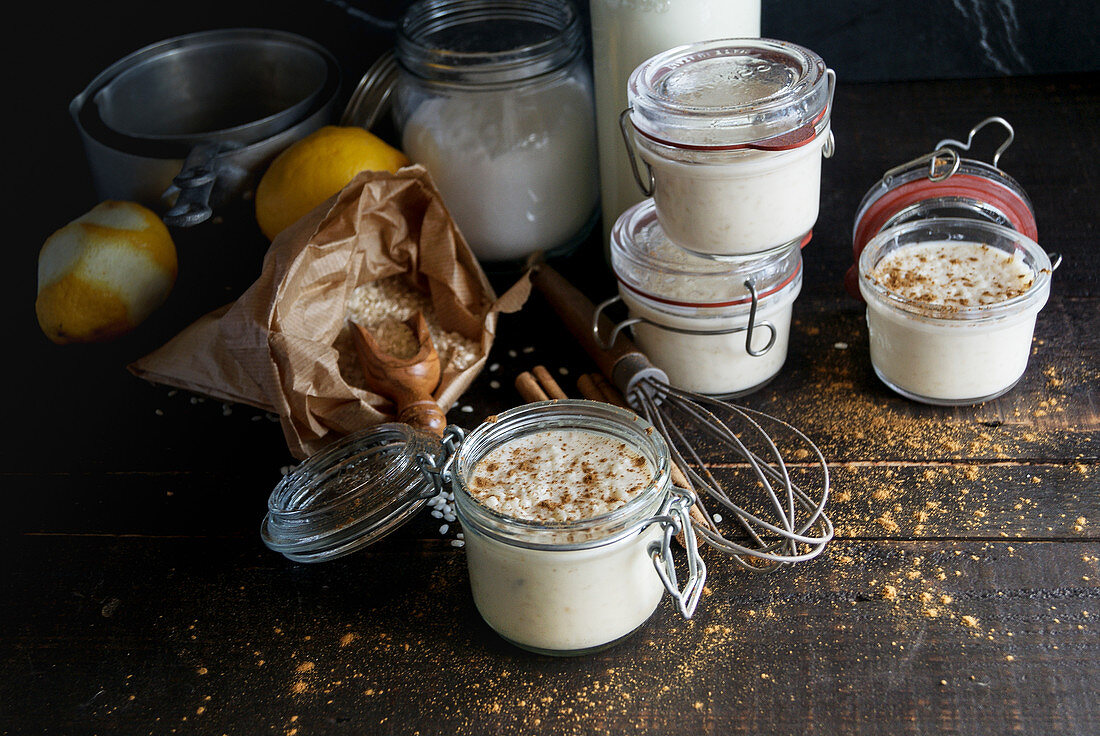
(408, 382)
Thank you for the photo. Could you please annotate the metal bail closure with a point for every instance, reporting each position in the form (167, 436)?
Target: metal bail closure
(974, 131)
(606, 343)
(675, 519)
(356, 491)
(624, 125)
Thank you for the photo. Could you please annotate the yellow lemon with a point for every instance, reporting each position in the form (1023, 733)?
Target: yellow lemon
(316, 167)
(103, 273)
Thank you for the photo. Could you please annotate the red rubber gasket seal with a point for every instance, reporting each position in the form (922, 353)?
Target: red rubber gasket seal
(977, 188)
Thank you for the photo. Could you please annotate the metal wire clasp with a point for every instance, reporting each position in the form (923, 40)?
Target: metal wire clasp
(646, 187)
(675, 519)
(973, 131)
(438, 469)
(748, 329)
(942, 164)
(619, 327)
(945, 160)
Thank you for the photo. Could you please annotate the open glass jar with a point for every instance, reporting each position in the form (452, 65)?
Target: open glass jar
(575, 586)
(732, 133)
(559, 588)
(961, 339)
(943, 184)
(494, 98)
(715, 328)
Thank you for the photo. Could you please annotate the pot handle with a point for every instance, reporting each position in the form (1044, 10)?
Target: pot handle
(194, 184)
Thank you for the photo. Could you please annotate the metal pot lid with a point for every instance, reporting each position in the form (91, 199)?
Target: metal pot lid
(85, 109)
(354, 492)
(732, 93)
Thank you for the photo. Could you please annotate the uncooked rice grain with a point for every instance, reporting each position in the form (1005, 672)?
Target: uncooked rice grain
(379, 305)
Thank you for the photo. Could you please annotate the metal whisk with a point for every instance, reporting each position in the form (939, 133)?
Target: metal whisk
(784, 524)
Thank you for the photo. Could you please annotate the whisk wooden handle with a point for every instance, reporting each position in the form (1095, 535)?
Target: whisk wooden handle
(623, 363)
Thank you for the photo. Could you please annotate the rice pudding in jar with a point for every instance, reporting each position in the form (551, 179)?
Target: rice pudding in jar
(732, 133)
(951, 307)
(565, 507)
(692, 316)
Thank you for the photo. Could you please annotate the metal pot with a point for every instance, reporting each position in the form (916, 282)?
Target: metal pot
(184, 169)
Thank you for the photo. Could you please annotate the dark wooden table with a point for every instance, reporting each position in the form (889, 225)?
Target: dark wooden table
(960, 595)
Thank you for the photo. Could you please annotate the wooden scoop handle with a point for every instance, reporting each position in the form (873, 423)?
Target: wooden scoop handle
(407, 382)
(422, 414)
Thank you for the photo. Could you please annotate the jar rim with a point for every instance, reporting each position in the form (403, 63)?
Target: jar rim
(638, 243)
(956, 229)
(580, 414)
(439, 40)
(732, 93)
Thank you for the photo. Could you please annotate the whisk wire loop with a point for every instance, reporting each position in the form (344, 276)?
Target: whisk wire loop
(797, 528)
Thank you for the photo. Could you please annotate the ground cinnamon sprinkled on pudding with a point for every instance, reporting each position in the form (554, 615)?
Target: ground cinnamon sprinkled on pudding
(953, 274)
(563, 475)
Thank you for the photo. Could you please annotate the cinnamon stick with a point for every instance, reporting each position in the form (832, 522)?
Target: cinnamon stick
(547, 383)
(529, 388)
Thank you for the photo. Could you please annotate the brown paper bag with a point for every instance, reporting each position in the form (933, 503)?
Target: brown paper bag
(279, 346)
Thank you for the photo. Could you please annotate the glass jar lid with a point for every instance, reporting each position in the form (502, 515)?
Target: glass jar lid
(732, 93)
(915, 191)
(648, 263)
(352, 493)
(943, 184)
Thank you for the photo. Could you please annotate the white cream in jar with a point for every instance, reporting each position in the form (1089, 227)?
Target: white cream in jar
(692, 316)
(754, 201)
(732, 133)
(558, 503)
(951, 307)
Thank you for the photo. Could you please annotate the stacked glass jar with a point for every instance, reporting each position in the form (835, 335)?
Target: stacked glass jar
(731, 134)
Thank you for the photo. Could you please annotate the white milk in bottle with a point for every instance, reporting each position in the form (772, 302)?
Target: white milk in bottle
(624, 34)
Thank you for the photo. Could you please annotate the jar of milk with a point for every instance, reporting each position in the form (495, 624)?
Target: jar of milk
(494, 99)
(732, 133)
(715, 328)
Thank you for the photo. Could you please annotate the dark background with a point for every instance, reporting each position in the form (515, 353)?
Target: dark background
(57, 50)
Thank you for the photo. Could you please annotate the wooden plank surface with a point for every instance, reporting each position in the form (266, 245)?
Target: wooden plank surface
(217, 635)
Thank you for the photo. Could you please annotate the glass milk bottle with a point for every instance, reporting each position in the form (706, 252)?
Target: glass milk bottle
(624, 34)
